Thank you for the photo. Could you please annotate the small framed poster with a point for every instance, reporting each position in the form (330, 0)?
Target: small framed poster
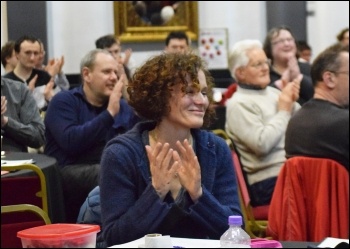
(212, 46)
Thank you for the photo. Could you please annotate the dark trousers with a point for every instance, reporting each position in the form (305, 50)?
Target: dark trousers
(78, 180)
(261, 192)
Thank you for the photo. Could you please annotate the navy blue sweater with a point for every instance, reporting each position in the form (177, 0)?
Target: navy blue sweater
(76, 131)
(131, 208)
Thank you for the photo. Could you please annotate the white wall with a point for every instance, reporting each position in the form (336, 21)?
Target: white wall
(74, 26)
(329, 18)
(242, 19)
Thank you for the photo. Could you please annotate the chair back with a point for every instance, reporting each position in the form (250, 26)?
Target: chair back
(241, 180)
(42, 193)
(23, 204)
(9, 237)
(310, 201)
(255, 218)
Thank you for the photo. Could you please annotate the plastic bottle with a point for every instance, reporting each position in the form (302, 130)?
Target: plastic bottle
(235, 236)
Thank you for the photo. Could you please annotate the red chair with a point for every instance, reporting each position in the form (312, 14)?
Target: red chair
(255, 218)
(310, 201)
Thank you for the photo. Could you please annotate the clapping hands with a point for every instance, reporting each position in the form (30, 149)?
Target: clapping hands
(167, 163)
(54, 66)
(292, 73)
(289, 94)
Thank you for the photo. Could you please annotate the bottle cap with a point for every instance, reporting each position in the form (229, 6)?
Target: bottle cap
(235, 220)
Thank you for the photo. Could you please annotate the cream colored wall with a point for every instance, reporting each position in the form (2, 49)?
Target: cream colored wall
(74, 26)
(329, 18)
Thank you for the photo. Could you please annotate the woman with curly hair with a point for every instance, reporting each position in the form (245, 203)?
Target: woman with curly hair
(167, 175)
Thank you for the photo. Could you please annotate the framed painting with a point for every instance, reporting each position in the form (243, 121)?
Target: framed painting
(149, 21)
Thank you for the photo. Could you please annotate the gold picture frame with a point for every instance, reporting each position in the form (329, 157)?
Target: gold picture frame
(129, 27)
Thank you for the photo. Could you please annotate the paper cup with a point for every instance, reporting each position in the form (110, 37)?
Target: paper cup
(156, 240)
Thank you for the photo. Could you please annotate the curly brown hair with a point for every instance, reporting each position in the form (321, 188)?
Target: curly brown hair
(151, 85)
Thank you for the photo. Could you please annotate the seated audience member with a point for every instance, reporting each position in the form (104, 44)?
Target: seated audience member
(321, 126)
(113, 45)
(8, 56)
(27, 49)
(304, 52)
(60, 78)
(257, 116)
(21, 124)
(343, 36)
(167, 175)
(280, 47)
(80, 121)
(177, 41)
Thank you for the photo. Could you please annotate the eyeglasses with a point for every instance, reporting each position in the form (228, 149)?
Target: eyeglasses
(341, 72)
(260, 64)
(281, 41)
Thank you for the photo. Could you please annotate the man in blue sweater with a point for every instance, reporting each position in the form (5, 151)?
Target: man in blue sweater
(81, 121)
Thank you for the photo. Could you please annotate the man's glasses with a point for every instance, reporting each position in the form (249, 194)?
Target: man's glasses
(341, 72)
(281, 41)
(260, 64)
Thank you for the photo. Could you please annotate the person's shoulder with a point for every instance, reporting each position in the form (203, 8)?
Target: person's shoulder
(273, 89)
(68, 96)
(248, 97)
(309, 109)
(13, 84)
(127, 145)
(65, 94)
(324, 105)
(206, 141)
(41, 72)
(130, 137)
(8, 80)
(208, 137)
(10, 75)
